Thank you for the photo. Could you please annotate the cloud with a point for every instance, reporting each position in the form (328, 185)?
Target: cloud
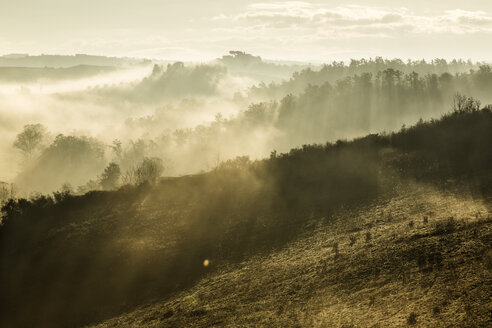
(291, 30)
(302, 18)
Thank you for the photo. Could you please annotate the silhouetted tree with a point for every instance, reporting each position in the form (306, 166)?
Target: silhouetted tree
(7, 192)
(29, 140)
(463, 103)
(110, 177)
(68, 158)
(149, 170)
(116, 147)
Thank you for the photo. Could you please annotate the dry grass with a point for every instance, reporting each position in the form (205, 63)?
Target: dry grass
(402, 275)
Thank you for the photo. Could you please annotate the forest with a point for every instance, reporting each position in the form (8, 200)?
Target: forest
(187, 117)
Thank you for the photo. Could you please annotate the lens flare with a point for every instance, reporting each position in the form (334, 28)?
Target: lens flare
(206, 263)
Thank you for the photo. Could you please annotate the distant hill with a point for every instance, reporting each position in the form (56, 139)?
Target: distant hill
(244, 64)
(340, 73)
(55, 61)
(31, 74)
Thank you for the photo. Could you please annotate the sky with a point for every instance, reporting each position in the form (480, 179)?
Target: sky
(200, 30)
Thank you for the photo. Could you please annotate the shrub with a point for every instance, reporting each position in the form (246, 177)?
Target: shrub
(335, 249)
(422, 261)
(488, 259)
(412, 318)
(353, 239)
(149, 170)
(449, 226)
(436, 310)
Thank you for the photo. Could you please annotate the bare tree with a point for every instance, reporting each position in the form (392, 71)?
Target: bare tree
(30, 139)
(129, 177)
(149, 170)
(7, 192)
(462, 103)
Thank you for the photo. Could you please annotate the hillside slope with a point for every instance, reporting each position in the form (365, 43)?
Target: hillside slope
(275, 232)
(372, 267)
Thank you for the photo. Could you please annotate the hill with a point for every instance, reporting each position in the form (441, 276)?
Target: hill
(59, 61)
(279, 229)
(377, 266)
(44, 74)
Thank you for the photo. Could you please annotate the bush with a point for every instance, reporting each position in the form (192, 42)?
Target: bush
(149, 170)
(436, 310)
(353, 239)
(412, 318)
(487, 260)
(449, 226)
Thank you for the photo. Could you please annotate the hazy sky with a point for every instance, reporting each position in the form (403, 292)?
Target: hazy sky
(293, 30)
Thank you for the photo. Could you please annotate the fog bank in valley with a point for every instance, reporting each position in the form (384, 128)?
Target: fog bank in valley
(193, 116)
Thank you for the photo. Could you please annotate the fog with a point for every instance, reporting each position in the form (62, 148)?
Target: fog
(133, 104)
(193, 116)
(47, 85)
(245, 163)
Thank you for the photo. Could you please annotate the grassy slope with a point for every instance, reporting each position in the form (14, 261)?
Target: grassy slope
(78, 260)
(442, 275)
